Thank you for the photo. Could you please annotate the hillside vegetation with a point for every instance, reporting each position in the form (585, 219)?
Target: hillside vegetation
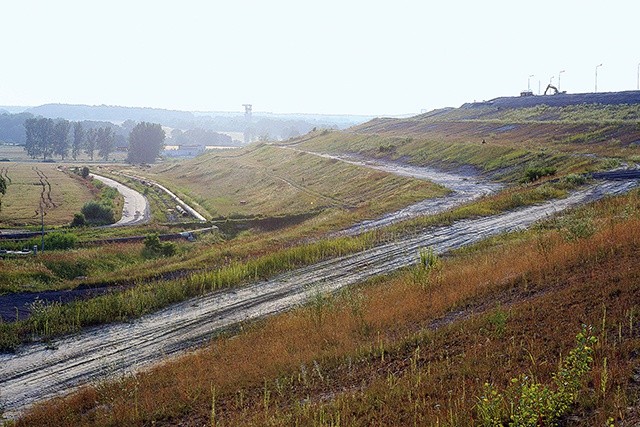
(537, 327)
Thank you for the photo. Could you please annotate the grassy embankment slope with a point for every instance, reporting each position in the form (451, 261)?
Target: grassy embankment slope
(417, 348)
(266, 181)
(331, 192)
(275, 182)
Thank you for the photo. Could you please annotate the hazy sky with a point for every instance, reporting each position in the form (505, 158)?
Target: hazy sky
(342, 56)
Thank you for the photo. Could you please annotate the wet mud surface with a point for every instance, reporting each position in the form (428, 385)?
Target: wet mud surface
(36, 372)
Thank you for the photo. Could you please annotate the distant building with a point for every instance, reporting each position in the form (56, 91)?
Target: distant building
(182, 151)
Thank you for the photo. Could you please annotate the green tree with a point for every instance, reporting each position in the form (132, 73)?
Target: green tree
(91, 141)
(61, 138)
(39, 136)
(104, 142)
(78, 140)
(145, 142)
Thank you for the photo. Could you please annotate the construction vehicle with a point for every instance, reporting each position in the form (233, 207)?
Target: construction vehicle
(554, 89)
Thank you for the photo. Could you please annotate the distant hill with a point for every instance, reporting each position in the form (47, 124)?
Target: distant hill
(109, 113)
(263, 125)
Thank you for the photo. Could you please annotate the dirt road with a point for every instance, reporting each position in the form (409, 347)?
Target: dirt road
(37, 372)
(136, 209)
(465, 187)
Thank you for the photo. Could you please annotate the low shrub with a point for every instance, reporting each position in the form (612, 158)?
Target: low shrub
(78, 220)
(60, 241)
(153, 247)
(527, 402)
(97, 213)
(534, 173)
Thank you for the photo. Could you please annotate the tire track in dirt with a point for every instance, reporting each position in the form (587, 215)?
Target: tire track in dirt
(37, 372)
(4, 172)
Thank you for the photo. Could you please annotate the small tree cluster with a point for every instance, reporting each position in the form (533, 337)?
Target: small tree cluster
(46, 138)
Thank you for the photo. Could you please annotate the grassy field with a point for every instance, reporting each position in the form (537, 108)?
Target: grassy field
(61, 196)
(420, 347)
(212, 263)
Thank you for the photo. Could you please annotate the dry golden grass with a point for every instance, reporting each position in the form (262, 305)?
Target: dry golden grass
(404, 351)
(23, 197)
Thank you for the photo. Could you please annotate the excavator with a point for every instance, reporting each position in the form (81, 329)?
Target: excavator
(554, 89)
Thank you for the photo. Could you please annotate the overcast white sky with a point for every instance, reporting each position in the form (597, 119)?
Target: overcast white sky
(332, 56)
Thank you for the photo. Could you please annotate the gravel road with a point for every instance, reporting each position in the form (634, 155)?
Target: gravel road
(37, 372)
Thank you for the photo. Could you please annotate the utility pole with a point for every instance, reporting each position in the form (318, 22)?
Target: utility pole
(597, 66)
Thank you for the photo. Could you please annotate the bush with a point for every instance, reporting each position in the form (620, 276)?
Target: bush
(535, 173)
(529, 403)
(574, 180)
(78, 220)
(84, 172)
(153, 247)
(61, 241)
(97, 213)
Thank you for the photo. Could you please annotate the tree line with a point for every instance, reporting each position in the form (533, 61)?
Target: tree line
(46, 138)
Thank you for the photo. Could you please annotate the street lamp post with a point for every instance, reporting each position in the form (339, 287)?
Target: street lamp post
(562, 71)
(529, 81)
(597, 66)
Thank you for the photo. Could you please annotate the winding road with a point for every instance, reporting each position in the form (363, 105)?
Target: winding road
(136, 208)
(37, 372)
